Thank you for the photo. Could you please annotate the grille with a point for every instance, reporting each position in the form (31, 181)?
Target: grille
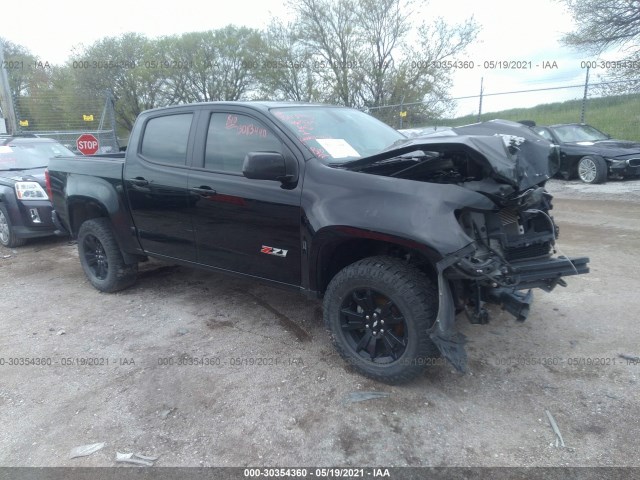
(508, 215)
(531, 251)
(634, 162)
(509, 220)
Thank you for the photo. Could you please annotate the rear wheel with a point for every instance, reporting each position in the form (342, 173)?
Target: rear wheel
(378, 311)
(101, 258)
(592, 170)
(7, 234)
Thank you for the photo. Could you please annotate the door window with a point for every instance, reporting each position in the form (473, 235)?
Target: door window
(231, 136)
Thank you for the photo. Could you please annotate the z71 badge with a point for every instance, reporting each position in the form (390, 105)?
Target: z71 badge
(278, 252)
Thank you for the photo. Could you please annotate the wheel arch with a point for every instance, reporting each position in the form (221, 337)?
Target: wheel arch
(93, 197)
(8, 199)
(82, 209)
(336, 248)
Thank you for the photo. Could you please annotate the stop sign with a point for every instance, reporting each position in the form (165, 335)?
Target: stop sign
(87, 144)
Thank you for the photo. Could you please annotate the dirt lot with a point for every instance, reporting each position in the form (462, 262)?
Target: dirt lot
(274, 393)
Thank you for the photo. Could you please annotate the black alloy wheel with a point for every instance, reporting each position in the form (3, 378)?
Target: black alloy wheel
(378, 311)
(95, 257)
(373, 326)
(101, 258)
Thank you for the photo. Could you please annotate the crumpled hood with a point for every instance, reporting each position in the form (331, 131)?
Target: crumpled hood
(512, 152)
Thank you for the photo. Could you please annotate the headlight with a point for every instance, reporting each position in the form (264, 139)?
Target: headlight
(30, 191)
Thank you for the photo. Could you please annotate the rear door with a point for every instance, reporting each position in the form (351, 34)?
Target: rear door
(156, 180)
(242, 225)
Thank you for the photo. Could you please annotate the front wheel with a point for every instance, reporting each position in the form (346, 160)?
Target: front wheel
(101, 258)
(379, 311)
(592, 170)
(7, 234)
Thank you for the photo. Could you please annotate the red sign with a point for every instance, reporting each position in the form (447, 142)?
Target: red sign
(87, 144)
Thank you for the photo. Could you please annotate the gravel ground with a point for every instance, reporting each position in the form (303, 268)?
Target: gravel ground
(274, 393)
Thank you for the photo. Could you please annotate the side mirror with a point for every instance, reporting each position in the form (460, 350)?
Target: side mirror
(269, 166)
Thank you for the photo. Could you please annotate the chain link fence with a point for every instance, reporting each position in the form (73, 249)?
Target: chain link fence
(107, 141)
(66, 119)
(615, 114)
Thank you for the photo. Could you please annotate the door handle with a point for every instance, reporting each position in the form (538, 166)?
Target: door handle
(139, 182)
(204, 190)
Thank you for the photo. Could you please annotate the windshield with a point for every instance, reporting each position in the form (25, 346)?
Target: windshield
(337, 134)
(44, 149)
(32, 155)
(579, 133)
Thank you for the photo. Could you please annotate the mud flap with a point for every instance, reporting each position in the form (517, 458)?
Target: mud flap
(442, 333)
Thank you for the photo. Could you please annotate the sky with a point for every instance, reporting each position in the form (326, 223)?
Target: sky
(516, 31)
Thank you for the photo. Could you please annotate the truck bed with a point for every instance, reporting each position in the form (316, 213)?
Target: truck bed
(106, 166)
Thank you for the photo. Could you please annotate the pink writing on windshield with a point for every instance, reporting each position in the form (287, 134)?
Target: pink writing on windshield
(319, 152)
(303, 124)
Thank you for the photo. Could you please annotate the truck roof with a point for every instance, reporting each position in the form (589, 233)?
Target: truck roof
(257, 104)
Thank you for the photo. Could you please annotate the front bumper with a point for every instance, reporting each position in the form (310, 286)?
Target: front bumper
(625, 168)
(34, 219)
(545, 273)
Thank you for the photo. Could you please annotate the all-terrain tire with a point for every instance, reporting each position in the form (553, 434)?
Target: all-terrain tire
(395, 300)
(101, 258)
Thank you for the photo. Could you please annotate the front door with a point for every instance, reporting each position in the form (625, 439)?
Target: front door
(242, 225)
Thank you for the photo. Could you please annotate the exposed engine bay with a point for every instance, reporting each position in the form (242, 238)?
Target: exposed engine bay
(511, 240)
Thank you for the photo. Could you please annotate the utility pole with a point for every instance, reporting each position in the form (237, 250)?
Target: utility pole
(480, 105)
(6, 101)
(584, 97)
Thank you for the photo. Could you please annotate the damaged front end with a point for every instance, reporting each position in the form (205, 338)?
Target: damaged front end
(512, 252)
(510, 245)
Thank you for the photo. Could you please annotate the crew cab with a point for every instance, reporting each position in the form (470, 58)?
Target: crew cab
(396, 235)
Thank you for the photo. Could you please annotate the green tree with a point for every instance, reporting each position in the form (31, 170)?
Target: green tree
(328, 29)
(20, 67)
(129, 67)
(32, 88)
(422, 76)
(213, 65)
(286, 71)
(362, 53)
(604, 24)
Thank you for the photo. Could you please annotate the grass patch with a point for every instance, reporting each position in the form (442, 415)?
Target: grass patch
(619, 116)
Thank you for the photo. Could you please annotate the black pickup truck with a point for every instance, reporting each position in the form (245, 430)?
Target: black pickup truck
(397, 235)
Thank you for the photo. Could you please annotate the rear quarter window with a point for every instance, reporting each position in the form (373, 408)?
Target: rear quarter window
(166, 138)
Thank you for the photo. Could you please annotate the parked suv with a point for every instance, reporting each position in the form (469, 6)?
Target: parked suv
(25, 209)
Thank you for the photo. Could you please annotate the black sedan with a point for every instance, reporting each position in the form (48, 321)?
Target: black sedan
(25, 210)
(591, 155)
